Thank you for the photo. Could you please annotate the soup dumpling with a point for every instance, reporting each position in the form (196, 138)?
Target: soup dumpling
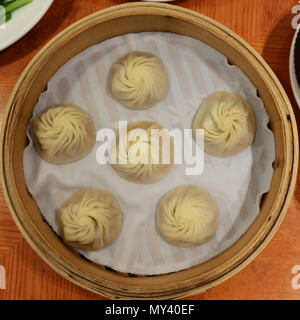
(187, 216)
(228, 122)
(90, 219)
(139, 80)
(63, 133)
(145, 154)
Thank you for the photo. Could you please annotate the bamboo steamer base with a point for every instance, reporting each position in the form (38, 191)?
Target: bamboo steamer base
(118, 20)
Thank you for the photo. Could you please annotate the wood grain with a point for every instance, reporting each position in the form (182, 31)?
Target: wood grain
(266, 25)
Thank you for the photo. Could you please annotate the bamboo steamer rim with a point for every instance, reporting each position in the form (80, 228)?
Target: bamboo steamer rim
(114, 285)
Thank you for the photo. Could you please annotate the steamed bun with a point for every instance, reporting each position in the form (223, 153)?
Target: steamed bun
(90, 219)
(63, 133)
(187, 216)
(142, 160)
(228, 122)
(139, 80)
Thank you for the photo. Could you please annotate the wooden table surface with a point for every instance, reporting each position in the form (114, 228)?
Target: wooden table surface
(266, 25)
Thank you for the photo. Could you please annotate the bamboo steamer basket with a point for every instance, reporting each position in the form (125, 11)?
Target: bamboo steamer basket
(118, 20)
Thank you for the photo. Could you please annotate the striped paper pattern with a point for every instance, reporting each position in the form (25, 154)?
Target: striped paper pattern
(237, 183)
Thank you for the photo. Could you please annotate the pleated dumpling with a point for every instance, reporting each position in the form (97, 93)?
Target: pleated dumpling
(90, 219)
(63, 133)
(145, 154)
(139, 80)
(228, 122)
(187, 216)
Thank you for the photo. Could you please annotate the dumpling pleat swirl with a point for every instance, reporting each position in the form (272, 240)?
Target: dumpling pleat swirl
(139, 80)
(63, 133)
(90, 220)
(141, 161)
(228, 122)
(82, 220)
(187, 216)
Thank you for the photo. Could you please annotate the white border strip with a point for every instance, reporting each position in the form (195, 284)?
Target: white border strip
(2, 278)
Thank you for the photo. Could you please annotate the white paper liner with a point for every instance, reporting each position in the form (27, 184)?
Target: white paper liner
(237, 183)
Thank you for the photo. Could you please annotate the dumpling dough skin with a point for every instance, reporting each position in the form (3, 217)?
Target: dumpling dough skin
(134, 170)
(90, 220)
(228, 122)
(63, 133)
(139, 80)
(187, 216)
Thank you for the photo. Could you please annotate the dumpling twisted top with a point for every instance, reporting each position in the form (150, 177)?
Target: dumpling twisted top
(187, 216)
(139, 80)
(142, 160)
(90, 219)
(228, 122)
(63, 133)
(83, 220)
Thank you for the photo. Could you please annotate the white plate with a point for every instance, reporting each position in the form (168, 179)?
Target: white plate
(294, 83)
(23, 20)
